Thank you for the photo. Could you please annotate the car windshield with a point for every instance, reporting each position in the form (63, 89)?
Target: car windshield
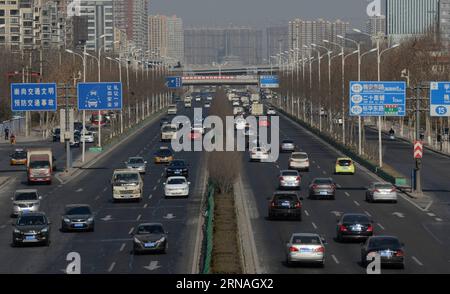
(345, 162)
(290, 173)
(25, 196)
(299, 156)
(306, 240)
(135, 160)
(169, 129)
(384, 242)
(126, 178)
(355, 219)
(177, 163)
(383, 186)
(19, 155)
(285, 198)
(78, 210)
(176, 181)
(164, 153)
(31, 220)
(288, 141)
(57, 131)
(39, 164)
(150, 229)
(323, 182)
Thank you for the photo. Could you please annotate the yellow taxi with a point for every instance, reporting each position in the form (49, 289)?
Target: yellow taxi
(19, 157)
(163, 155)
(344, 165)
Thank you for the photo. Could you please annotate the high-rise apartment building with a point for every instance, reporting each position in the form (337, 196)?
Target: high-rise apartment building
(376, 25)
(277, 38)
(408, 18)
(175, 39)
(100, 19)
(157, 31)
(444, 22)
(131, 16)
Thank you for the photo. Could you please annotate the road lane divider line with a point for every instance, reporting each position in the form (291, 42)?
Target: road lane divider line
(417, 261)
(347, 194)
(105, 189)
(155, 187)
(131, 230)
(381, 226)
(335, 258)
(438, 219)
(111, 267)
(368, 214)
(324, 172)
(97, 197)
(138, 217)
(150, 196)
(314, 225)
(318, 166)
(356, 203)
(431, 214)
(159, 181)
(122, 247)
(145, 205)
(306, 212)
(339, 186)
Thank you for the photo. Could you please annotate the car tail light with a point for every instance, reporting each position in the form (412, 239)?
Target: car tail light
(333, 187)
(369, 228)
(376, 191)
(273, 204)
(281, 179)
(342, 228)
(393, 190)
(298, 205)
(399, 253)
(314, 186)
(293, 249)
(319, 249)
(298, 178)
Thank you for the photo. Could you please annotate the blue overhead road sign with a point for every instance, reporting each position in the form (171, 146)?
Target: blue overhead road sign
(100, 96)
(34, 97)
(374, 98)
(440, 99)
(267, 81)
(174, 82)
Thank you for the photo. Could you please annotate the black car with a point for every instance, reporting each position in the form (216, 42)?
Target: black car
(56, 135)
(78, 126)
(354, 226)
(177, 168)
(31, 228)
(285, 204)
(150, 237)
(76, 140)
(389, 248)
(77, 217)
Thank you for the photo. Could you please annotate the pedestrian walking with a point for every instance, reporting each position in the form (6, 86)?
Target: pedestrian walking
(6, 134)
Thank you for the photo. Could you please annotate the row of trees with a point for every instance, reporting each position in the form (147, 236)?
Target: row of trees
(65, 68)
(326, 105)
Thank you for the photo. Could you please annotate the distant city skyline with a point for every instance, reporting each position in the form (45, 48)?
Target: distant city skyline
(261, 13)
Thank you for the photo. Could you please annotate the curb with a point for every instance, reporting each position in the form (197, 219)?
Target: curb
(76, 171)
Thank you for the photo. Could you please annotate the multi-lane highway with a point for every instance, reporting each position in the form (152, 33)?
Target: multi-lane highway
(426, 240)
(108, 248)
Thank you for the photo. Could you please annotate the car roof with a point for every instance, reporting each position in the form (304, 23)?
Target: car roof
(285, 193)
(77, 205)
(124, 170)
(19, 150)
(27, 191)
(135, 157)
(304, 153)
(176, 177)
(344, 158)
(322, 179)
(37, 213)
(305, 235)
(355, 214)
(151, 224)
(289, 170)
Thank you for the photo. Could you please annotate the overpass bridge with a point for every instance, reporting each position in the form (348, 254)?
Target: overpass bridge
(207, 80)
(236, 70)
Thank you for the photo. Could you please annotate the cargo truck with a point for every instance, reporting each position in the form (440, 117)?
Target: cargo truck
(39, 165)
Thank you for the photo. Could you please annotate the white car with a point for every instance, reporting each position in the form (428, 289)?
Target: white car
(88, 137)
(258, 154)
(176, 187)
(381, 192)
(299, 161)
(305, 247)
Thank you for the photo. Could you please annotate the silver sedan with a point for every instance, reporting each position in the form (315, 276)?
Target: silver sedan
(381, 192)
(137, 163)
(306, 248)
(289, 179)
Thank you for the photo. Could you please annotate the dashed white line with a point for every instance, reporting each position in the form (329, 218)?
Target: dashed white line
(381, 226)
(368, 214)
(335, 258)
(438, 219)
(318, 166)
(159, 181)
(339, 186)
(150, 196)
(431, 214)
(2, 226)
(314, 225)
(145, 205)
(131, 231)
(111, 267)
(417, 261)
(122, 247)
(104, 190)
(324, 172)
(155, 187)
(347, 194)
(306, 212)
(162, 174)
(138, 217)
(356, 203)
(97, 197)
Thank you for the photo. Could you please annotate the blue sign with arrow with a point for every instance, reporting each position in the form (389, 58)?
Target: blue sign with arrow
(174, 82)
(100, 96)
(440, 99)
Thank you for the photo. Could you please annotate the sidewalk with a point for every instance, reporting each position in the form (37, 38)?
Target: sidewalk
(35, 136)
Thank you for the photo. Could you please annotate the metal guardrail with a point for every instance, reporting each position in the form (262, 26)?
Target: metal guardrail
(208, 231)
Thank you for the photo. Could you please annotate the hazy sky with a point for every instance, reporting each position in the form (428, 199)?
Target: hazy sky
(259, 13)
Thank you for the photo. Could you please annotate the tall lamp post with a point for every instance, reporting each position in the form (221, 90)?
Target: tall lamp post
(329, 52)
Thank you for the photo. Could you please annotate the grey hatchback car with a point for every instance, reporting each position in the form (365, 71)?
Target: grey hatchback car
(150, 237)
(31, 228)
(77, 217)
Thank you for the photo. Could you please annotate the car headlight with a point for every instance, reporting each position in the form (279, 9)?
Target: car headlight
(91, 219)
(161, 240)
(66, 220)
(137, 191)
(44, 230)
(136, 240)
(16, 231)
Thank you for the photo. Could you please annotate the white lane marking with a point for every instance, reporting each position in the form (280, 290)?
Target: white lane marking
(155, 187)
(335, 258)
(79, 190)
(347, 194)
(324, 172)
(159, 181)
(145, 205)
(2, 226)
(438, 219)
(356, 203)
(318, 166)
(122, 247)
(431, 214)
(97, 197)
(417, 261)
(381, 226)
(398, 214)
(138, 217)
(314, 225)
(59, 180)
(339, 186)
(314, 162)
(104, 189)
(368, 214)
(428, 206)
(130, 231)
(150, 196)
(111, 267)
(162, 174)
(306, 212)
